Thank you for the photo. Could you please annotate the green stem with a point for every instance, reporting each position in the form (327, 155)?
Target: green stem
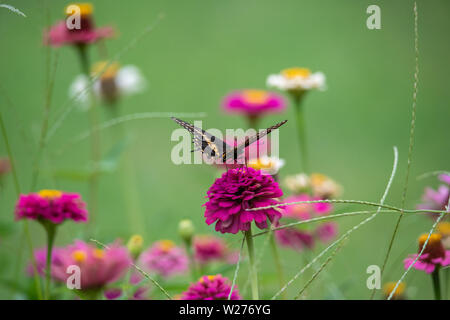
(251, 256)
(436, 284)
(50, 228)
(192, 264)
(301, 131)
(277, 260)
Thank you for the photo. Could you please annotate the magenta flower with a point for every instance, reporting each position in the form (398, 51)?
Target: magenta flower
(305, 211)
(210, 288)
(209, 248)
(326, 232)
(40, 257)
(60, 34)
(295, 239)
(433, 257)
(236, 191)
(253, 103)
(165, 258)
(436, 199)
(51, 205)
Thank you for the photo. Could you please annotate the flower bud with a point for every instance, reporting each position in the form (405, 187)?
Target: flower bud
(186, 230)
(135, 245)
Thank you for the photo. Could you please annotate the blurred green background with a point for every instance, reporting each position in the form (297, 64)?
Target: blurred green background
(199, 52)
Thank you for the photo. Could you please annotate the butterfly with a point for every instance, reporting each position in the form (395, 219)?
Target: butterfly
(215, 148)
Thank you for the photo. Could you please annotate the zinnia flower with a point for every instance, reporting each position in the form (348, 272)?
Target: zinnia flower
(305, 211)
(294, 238)
(436, 199)
(236, 191)
(40, 257)
(60, 34)
(299, 183)
(318, 184)
(268, 165)
(399, 294)
(253, 103)
(297, 80)
(209, 248)
(433, 257)
(51, 205)
(326, 231)
(113, 83)
(165, 258)
(210, 288)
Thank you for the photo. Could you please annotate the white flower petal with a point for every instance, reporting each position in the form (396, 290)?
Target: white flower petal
(129, 80)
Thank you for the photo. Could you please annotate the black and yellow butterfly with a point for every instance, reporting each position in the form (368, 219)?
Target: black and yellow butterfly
(218, 149)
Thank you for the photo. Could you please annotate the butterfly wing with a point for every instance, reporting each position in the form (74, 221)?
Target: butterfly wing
(238, 150)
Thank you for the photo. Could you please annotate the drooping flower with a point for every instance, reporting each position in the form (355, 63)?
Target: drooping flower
(236, 191)
(253, 103)
(267, 165)
(165, 258)
(213, 287)
(98, 267)
(297, 80)
(51, 205)
(208, 248)
(66, 32)
(111, 83)
(399, 293)
(433, 257)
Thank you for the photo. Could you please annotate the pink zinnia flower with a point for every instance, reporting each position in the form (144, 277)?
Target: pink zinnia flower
(445, 178)
(210, 288)
(433, 257)
(51, 205)
(165, 258)
(236, 191)
(305, 211)
(294, 238)
(60, 34)
(436, 199)
(98, 267)
(40, 257)
(326, 231)
(253, 103)
(209, 248)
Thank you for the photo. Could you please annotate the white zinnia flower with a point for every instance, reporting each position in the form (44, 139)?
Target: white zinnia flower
(298, 183)
(268, 165)
(113, 83)
(294, 79)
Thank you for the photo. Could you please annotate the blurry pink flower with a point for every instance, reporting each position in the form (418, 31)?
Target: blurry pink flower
(445, 178)
(236, 191)
(140, 293)
(434, 255)
(51, 205)
(210, 288)
(305, 211)
(60, 34)
(326, 231)
(294, 238)
(40, 256)
(165, 258)
(435, 199)
(98, 267)
(253, 103)
(209, 248)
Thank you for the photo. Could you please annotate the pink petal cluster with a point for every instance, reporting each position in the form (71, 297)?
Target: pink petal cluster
(66, 206)
(97, 267)
(165, 259)
(298, 239)
(139, 293)
(211, 288)
(436, 199)
(253, 103)
(236, 191)
(209, 248)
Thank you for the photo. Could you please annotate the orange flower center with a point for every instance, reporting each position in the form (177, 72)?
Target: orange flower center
(166, 245)
(86, 9)
(98, 253)
(434, 246)
(444, 228)
(50, 194)
(105, 69)
(292, 73)
(210, 278)
(389, 287)
(255, 96)
(79, 256)
(258, 164)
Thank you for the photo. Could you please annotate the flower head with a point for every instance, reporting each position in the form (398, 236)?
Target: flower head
(67, 32)
(437, 199)
(111, 83)
(318, 184)
(236, 191)
(51, 205)
(213, 287)
(305, 211)
(434, 254)
(297, 80)
(165, 258)
(253, 103)
(267, 165)
(208, 248)
(399, 293)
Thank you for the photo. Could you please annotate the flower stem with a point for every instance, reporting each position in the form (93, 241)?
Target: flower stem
(301, 131)
(251, 256)
(276, 258)
(50, 228)
(436, 284)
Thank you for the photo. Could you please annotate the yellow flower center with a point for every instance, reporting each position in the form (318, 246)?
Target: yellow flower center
(86, 9)
(435, 239)
(255, 96)
(166, 245)
(98, 253)
(210, 278)
(79, 256)
(389, 287)
(105, 69)
(50, 194)
(444, 228)
(317, 179)
(258, 164)
(292, 73)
